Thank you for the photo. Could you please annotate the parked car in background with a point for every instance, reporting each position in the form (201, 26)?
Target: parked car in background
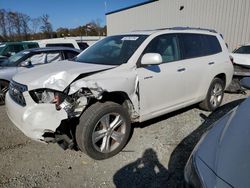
(121, 79)
(58, 42)
(221, 158)
(10, 48)
(28, 59)
(241, 58)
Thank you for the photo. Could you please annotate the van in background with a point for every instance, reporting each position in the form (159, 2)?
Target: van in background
(58, 42)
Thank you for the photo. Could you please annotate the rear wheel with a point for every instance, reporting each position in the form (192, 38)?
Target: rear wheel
(4, 86)
(214, 95)
(104, 130)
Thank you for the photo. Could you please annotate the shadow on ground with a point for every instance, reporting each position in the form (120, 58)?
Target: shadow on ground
(147, 171)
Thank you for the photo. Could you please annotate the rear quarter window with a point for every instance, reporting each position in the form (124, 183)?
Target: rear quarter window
(211, 45)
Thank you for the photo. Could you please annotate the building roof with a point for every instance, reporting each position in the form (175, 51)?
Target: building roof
(133, 6)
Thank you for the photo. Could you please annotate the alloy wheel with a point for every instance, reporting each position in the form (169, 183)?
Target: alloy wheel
(216, 95)
(109, 132)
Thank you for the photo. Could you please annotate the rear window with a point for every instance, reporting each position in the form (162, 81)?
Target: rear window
(70, 45)
(197, 45)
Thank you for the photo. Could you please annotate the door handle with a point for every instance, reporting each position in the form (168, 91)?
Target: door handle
(181, 69)
(210, 63)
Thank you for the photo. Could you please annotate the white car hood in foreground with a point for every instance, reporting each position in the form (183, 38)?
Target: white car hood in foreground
(57, 75)
(241, 59)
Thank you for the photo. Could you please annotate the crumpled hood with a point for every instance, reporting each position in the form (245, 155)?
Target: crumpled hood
(226, 147)
(57, 75)
(241, 59)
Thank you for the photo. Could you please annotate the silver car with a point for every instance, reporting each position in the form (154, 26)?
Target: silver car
(28, 59)
(221, 158)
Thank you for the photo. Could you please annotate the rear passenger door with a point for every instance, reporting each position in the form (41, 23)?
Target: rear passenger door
(199, 62)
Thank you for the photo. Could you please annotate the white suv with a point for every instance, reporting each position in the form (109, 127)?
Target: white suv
(134, 77)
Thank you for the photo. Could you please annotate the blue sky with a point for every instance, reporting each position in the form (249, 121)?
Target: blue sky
(65, 13)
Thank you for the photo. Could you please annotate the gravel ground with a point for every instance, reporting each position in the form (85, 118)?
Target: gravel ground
(154, 157)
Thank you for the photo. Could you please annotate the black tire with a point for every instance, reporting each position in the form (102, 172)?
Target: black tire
(214, 96)
(4, 87)
(100, 118)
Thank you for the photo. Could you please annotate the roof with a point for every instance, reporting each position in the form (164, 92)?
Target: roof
(137, 5)
(52, 49)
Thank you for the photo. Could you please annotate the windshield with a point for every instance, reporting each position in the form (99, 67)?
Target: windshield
(114, 50)
(11, 61)
(242, 50)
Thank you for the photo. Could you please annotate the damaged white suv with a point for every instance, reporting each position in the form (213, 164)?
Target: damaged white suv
(91, 102)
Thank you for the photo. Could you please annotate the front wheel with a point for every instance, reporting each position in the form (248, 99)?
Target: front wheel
(214, 95)
(4, 86)
(103, 130)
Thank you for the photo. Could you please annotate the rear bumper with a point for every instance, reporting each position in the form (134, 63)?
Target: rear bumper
(34, 119)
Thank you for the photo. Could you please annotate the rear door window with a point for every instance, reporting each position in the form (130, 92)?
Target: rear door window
(197, 45)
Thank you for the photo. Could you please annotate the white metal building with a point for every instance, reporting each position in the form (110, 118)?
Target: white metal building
(231, 18)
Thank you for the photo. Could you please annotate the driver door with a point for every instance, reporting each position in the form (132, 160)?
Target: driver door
(162, 86)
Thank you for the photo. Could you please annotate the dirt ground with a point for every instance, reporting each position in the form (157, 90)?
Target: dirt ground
(154, 157)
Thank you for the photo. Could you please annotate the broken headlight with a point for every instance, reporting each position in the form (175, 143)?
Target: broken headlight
(73, 104)
(48, 96)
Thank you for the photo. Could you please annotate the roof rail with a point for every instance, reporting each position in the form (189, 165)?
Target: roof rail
(181, 28)
(189, 28)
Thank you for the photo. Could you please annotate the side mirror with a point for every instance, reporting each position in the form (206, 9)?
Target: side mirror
(151, 59)
(26, 64)
(245, 82)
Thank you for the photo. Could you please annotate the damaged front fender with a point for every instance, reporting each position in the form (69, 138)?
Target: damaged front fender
(125, 82)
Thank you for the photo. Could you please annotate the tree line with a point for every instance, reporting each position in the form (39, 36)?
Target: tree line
(16, 26)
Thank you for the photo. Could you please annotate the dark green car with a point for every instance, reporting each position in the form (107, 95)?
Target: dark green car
(10, 48)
